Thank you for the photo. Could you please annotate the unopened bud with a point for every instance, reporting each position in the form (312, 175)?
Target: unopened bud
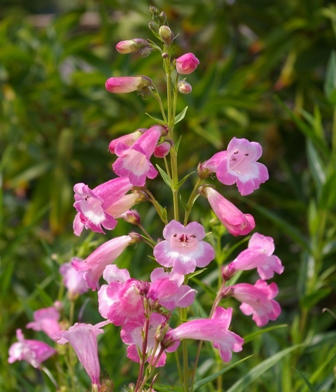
(136, 237)
(127, 84)
(166, 34)
(154, 27)
(131, 216)
(164, 55)
(162, 150)
(132, 45)
(184, 87)
(161, 332)
(228, 271)
(154, 11)
(163, 17)
(186, 64)
(145, 52)
(203, 172)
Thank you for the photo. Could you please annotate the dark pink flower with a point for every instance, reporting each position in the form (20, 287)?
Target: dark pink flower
(134, 162)
(240, 166)
(186, 64)
(183, 248)
(46, 320)
(97, 207)
(259, 254)
(127, 84)
(104, 255)
(31, 351)
(83, 339)
(257, 300)
(232, 218)
(215, 330)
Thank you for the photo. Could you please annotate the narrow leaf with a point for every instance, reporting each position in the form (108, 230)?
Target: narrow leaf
(157, 120)
(164, 176)
(181, 115)
(181, 182)
(330, 80)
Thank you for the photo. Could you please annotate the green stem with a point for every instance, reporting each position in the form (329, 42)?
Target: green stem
(191, 200)
(334, 133)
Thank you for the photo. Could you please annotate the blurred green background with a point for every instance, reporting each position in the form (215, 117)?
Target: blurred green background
(267, 73)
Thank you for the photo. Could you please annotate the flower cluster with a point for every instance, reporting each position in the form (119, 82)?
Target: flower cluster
(144, 309)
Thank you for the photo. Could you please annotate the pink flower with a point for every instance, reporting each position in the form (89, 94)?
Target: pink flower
(186, 64)
(132, 45)
(163, 149)
(96, 207)
(259, 254)
(184, 87)
(134, 162)
(210, 166)
(128, 139)
(31, 351)
(215, 330)
(83, 339)
(240, 166)
(257, 300)
(46, 320)
(104, 255)
(183, 248)
(232, 218)
(73, 280)
(132, 335)
(127, 84)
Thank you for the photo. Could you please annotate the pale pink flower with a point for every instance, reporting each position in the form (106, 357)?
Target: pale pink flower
(257, 300)
(127, 84)
(210, 166)
(183, 248)
(232, 218)
(184, 87)
(214, 330)
(46, 320)
(240, 166)
(73, 280)
(132, 335)
(31, 351)
(186, 64)
(132, 45)
(259, 254)
(128, 139)
(104, 255)
(83, 339)
(95, 207)
(134, 162)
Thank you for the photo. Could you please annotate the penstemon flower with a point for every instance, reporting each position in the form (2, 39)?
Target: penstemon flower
(153, 309)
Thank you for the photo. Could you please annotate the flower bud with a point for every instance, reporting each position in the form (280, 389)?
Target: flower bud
(163, 17)
(154, 27)
(166, 34)
(127, 84)
(186, 64)
(154, 11)
(162, 149)
(184, 87)
(131, 46)
(131, 216)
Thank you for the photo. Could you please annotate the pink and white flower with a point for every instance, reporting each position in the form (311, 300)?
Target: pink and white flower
(31, 351)
(259, 254)
(73, 280)
(134, 162)
(132, 335)
(46, 320)
(240, 166)
(96, 207)
(129, 139)
(183, 248)
(214, 330)
(83, 339)
(104, 255)
(232, 218)
(186, 64)
(127, 84)
(257, 300)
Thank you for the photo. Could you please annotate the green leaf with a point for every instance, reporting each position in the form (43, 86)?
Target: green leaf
(164, 176)
(181, 115)
(254, 374)
(308, 301)
(177, 144)
(316, 166)
(308, 384)
(157, 120)
(200, 384)
(181, 182)
(253, 335)
(330, 80)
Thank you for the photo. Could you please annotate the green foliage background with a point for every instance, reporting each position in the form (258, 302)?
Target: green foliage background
(267, 73)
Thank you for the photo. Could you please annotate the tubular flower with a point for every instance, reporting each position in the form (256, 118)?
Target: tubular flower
(240, 166)
(232, 218)
(95, 207)
(127, 84)
(128, 139)
(183, 248)
(104, 255)
(257, 300)
(259, 254)
(73, 280)
(134, 162)
(31, 351)
(46, 320)
(214, 330)
(83, 339)
(132, 45)
(186, 64)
